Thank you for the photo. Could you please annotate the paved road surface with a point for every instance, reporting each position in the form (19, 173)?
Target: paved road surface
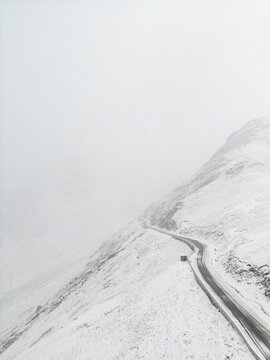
(256, 331)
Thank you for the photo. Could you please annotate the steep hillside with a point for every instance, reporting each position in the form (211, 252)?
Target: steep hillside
(227, 206)
(133, 300)
(52, 214)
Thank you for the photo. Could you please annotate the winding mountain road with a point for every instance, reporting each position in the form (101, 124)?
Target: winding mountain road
(256, 332)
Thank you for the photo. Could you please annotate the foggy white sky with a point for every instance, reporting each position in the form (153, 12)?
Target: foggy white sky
(108, 105)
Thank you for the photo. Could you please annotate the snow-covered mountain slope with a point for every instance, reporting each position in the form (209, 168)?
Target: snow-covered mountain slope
(52, 217)
(133, 300)
(227, 206)
(15, 305)
(52, 213)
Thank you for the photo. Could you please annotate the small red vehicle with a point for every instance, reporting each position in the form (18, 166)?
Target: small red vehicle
(183, 258)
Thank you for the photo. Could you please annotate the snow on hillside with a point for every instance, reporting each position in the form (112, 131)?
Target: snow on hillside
(227, 206)
(52, 219)
(52, 214)
(133, 300)
(45, 282)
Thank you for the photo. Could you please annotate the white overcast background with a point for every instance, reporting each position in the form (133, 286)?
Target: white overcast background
(108, 105)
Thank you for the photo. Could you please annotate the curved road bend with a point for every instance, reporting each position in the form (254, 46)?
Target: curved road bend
(256, 331)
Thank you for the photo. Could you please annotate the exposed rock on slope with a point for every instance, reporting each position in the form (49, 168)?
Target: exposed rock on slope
(134, 299)
(227, 204)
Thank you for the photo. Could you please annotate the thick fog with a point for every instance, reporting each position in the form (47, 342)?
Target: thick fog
(108, 105)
